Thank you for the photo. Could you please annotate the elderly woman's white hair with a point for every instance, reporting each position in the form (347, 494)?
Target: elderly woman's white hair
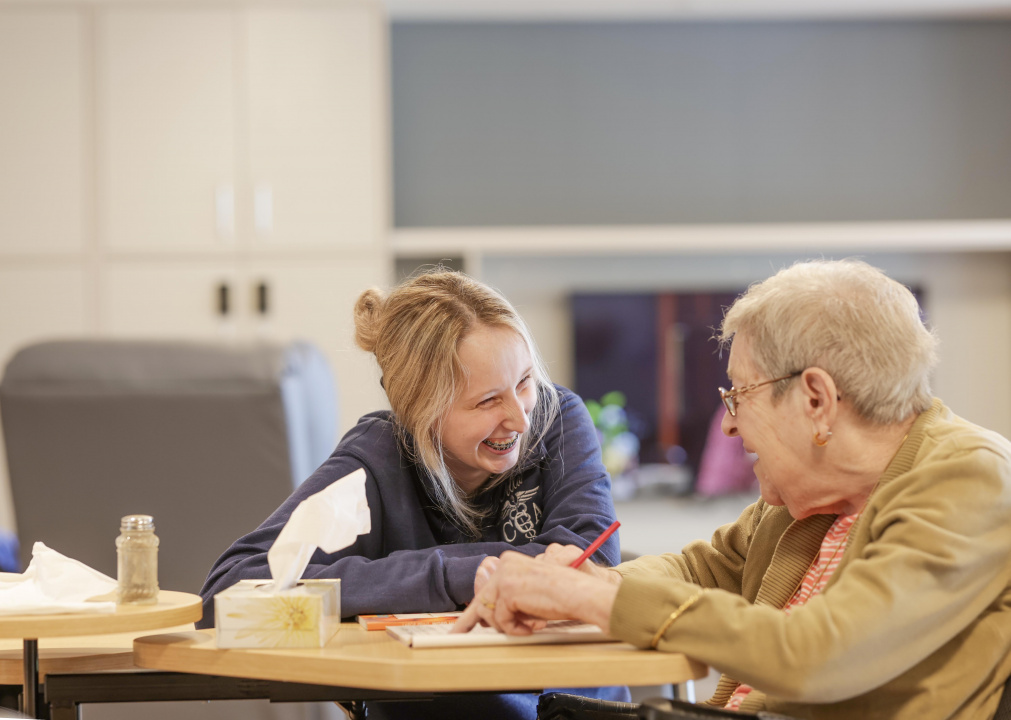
(847, 318)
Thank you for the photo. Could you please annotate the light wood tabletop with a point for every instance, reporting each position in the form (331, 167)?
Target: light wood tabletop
(172, 608)
(78, 654)
(373, 660)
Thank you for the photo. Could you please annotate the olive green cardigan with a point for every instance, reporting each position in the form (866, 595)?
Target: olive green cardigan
(914, 623)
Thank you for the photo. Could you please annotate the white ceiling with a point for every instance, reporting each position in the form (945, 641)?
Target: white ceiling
(571, 10)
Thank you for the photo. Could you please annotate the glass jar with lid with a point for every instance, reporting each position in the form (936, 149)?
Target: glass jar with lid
(137, 566)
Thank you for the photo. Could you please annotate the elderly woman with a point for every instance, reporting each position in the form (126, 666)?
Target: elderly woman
(872, 579)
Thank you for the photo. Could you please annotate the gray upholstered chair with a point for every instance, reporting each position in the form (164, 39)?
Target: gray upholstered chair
(207, 438)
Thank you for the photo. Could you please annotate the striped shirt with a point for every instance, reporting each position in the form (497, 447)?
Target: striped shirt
(817, 577)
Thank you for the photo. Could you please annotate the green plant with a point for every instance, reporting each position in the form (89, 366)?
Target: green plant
(619, 447)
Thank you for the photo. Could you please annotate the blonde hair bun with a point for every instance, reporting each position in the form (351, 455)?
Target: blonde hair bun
(368, 314)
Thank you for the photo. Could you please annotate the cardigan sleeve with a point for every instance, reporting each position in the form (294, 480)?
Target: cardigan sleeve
(718, 563)
(935, 561)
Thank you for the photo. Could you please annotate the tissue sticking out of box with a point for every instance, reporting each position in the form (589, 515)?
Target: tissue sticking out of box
(331, 519)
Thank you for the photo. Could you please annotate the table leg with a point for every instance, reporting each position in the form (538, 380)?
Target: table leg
(30, 693)
(65, 711)
(354, 708)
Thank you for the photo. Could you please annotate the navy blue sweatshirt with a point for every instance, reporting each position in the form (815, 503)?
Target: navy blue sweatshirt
(415, 559)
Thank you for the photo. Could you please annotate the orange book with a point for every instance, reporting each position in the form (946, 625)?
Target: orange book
(381, 622)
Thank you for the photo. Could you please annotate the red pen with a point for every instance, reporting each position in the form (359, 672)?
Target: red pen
(595, 544)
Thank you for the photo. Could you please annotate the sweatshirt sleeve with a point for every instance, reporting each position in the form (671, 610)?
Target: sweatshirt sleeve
(372, 580)
(246, 559)
(936, 561)
(577, 508)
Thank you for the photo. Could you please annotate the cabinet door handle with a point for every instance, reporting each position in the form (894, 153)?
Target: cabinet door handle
(224, 211)
(262, 298)
(263, 209)
(223, 299)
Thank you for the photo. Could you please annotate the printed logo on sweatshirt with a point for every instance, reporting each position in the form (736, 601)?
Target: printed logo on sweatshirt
(522, 516)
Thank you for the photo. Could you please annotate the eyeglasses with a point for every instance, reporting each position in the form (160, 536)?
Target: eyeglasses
(729, 397)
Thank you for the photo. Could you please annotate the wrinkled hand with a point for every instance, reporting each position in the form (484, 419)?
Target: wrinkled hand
(561, 554)
(565, 555)
(525, 592)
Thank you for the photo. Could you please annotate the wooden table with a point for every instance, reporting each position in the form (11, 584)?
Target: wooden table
(373, 660)
(78, 654)
(173, 609)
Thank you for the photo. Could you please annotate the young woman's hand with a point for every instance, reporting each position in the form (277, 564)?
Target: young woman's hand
(484, 572)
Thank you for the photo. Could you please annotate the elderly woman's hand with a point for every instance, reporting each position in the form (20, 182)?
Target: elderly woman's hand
(524, 592)
(566, 554)
(561, 554)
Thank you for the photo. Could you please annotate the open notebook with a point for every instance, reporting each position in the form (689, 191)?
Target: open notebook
(556, 632)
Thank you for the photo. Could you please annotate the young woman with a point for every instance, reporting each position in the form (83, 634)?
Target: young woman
(480, 454)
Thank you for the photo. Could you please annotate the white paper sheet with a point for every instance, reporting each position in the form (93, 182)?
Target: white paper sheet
(54, 583)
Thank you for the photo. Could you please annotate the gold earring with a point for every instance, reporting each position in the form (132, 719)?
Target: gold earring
(818, 441)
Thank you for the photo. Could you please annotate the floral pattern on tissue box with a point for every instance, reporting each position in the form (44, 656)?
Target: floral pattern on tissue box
(251, 614)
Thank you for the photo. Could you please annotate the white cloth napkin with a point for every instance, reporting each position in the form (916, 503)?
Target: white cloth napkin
(331, 519)
(54, 583)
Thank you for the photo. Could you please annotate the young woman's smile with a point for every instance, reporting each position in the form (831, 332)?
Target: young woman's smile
(502, 446)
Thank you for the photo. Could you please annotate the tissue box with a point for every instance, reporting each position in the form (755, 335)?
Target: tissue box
(250, 614)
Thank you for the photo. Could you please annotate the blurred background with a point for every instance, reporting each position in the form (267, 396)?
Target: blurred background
(241, 171)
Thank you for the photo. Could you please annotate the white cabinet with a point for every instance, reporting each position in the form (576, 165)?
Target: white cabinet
(317, 127)
(166, 299)
(269, 299)
(41, 300)
(42, 131)
(154, 152)
(241, 146)
(316, 301)
(166, 105)
(43, 218)
(246, 128)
